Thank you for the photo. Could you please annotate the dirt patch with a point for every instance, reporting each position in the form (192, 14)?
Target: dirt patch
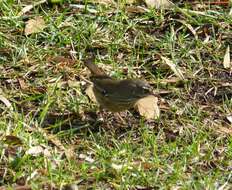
(215, 91)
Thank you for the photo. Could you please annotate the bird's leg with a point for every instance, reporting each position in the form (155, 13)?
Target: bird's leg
(117, 115)
(101, 114)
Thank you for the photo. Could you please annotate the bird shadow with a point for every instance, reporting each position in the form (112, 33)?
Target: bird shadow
(93, 122)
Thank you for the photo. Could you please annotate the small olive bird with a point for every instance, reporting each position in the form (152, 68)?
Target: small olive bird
(113, 94)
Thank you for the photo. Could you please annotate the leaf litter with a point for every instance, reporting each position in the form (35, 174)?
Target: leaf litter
(226, 62)
(34, 25)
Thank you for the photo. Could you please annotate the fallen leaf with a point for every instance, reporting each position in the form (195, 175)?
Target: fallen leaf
(173, 67)
(226, 61)
(117, 166)
(12, 140)
(105, 2)
(12, 151)
(130, 1)
(35, 151)
(6, 102)
(172, 80)
(17, 187)
(61, 60)
(159, 4)
(72, 186)
(22, 84)
(188, 26)
(136, 9)
(225, 130)
(90, 93)
(73, 84)
(62, 63)
(35, 25)
(69, 153)
(140, 187)
(229, 118)
(148, 107)
(29, 7)
(83, 8)
(86, 158)
(25, 10)
(230, 13)
(147, 165)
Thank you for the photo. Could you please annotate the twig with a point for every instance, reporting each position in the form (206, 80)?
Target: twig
(29, 7)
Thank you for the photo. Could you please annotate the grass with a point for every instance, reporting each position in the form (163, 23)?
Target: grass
(189, 147)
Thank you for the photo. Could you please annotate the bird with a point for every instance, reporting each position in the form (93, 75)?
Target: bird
(112, 94)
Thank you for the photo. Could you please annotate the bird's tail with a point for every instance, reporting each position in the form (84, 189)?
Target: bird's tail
(94, 69)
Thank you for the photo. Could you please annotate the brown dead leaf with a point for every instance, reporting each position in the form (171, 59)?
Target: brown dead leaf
(130, 1)
(17, 187)
(225, 130)
(159, 4)
(86, 158)
(12, 140)
(229, 118)
(147, 165)
(22, 83)
(105, 2)
(35, 151)
(71, 186)
(23, 187)
(6, 102)
(29, 7)
(226, 61)
(12, 151)
(69, 153)
(61, 60)
(173, 67)
(148, 107)
(136, 9)
(63, 64)
(188, 26)
(172, 80)
(90, 93)
(35, 25)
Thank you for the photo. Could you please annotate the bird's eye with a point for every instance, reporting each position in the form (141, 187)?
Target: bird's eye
(104, 93)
